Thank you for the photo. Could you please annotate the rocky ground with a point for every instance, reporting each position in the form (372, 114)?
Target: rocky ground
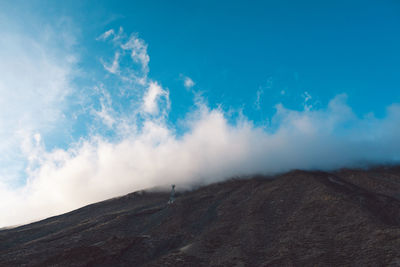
(343, 218)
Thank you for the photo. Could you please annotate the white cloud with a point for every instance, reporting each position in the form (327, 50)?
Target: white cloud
(188, 82)
(152, 98)
(306, 104)
(114, 67)
(211, 150)
(105, 114)
(106, 35)
(257, 103)
(138, 50)
(154, 95)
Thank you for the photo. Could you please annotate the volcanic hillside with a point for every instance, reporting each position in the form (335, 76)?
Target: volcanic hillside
(301, 218)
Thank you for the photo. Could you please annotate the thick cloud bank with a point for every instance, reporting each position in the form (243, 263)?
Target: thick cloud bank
(147, 151)
(209, 151)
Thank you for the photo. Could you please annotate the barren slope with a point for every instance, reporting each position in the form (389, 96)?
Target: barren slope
(349, 217)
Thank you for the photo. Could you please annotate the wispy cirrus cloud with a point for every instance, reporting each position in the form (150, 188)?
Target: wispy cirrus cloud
(138, 50)
(259, 94)
(114, 66)
(135, 47)
(106, 35)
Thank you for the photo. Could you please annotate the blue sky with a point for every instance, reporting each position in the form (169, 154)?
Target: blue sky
(232, 48)
(92, 89)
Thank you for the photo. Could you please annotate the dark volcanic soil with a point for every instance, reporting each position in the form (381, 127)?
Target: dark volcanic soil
(349, 217)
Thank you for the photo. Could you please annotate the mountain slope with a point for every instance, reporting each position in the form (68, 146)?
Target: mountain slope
(349, 217)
